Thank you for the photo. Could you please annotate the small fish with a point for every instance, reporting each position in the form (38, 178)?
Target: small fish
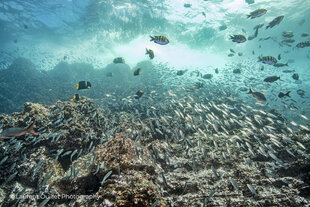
(222, 27)
(106, 177)
(139, 94)
(230, 55)
(281, 95)
(258, 26)
(303, 44)
(256, 33)
(258, 95)
(272, 79)
(76, 97)
(150, 53)
(295, 76)
(257, 13)
(181, 72)
(287, 34)
(305, 34)
(231, 50)
(110, 74)
(270, 60)
(16, 132)
(83, 85)
(279, 57)
(288, 71)
(238, 38)
(278, 65)
(187, 5)
(275, 22)
(251, 37)
(137, 72)
(119, 60)
(162, 40)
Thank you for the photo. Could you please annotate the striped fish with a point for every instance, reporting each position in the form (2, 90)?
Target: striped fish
(162, 40)
(303, 44)
(238, 38)
(270, 60)
(257, 13)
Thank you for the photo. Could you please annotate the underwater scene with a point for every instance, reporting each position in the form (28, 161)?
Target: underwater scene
(154, 103)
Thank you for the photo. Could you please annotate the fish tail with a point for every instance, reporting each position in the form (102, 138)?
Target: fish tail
(259, 59)
(250, 91)
(147, 51)
(249, 15)
(152, 38)
(30, 129)
(288, 94)
(286, 64)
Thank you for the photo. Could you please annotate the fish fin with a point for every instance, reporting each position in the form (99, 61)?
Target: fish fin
(30, 129)
(147, 51)
(152, 38)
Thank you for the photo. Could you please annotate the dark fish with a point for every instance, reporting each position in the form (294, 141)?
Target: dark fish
(139, 94)
(119, 60)
(258, 95)
(279, 57)
(256, 33)
(207, 76)
(83, 85)
(271, 79)
(181, 72)
(257, 13)
(295, 76)
(187, 5)
(238, 38)
(303, 44)
(240, 53)
(150, 53)
(162, 40)
(230, 55)
(76, 97)
(231, 50)
(137, 72)
(305, 34)
(16, 132)
(216, 70)
(275, 22)
(270, 60)
(281, 95)
(301, 93)
(278, 65)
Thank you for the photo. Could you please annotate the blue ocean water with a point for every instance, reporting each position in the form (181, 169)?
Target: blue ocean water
(95, 32)
(225, 98)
